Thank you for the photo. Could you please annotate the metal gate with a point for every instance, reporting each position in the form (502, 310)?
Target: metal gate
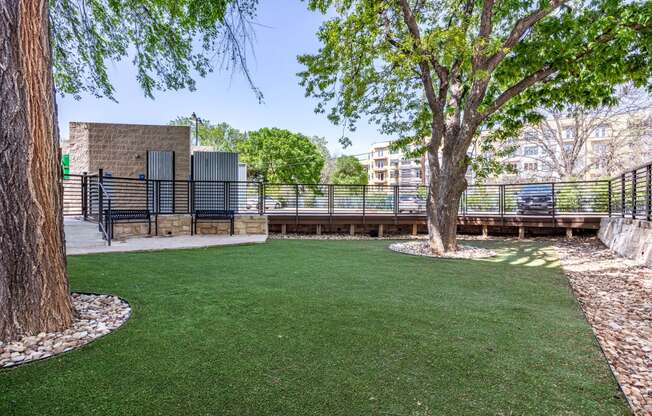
(160, 186)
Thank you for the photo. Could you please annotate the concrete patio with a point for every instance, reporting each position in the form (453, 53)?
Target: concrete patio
(84, 238)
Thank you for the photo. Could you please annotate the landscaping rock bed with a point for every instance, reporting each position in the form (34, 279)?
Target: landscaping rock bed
(422, 248)
(616, 296)
(97, 315)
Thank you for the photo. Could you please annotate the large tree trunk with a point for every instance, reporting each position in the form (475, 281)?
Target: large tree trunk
(447, 183)
(34, 294)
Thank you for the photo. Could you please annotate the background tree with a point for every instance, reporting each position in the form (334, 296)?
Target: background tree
(280, 156)
(624, 131)
(349, 171)
(436, 73)
(221, 136)
(66, 44)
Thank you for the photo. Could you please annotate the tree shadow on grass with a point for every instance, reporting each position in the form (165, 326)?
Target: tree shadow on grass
(521, 253)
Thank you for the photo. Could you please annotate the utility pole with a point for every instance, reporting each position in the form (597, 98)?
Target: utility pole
(197, 121)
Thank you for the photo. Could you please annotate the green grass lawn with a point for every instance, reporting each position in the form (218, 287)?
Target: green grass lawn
(326, 328)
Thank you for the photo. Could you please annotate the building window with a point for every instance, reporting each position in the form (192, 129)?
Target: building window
(380, 164)
(380, 176)
(393, 151)
(530, 167)
(512, 167)
(601, 131)
(530, 135)
(549, 134)
(393, 174)
(530, 151)
(568, 148)
(379, 152)
(417, 173)
(600, 148)
(569, 133)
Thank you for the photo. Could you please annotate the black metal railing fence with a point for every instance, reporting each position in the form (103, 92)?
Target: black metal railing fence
(631, 193)
(627, 195)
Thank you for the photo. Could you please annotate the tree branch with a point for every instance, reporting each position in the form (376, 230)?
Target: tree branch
(519, 87)
(485, 19)
(412, 25)
(519, 29)
(426, 79)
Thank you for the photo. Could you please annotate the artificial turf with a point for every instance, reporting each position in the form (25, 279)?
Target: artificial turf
(326, 328)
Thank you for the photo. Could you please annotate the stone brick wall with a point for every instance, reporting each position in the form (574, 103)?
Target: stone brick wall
(121, 149)
(175, 224)
(179, 224)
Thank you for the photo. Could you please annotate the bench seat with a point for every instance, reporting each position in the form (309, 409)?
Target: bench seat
(127, 215)
(213, 215)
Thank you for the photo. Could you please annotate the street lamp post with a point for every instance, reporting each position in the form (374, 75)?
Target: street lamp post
(197, 121)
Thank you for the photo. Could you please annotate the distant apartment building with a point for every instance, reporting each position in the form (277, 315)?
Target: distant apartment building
(581, 147)
(386, 166)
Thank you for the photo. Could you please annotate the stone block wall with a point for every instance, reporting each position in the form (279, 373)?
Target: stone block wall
(123, 230)
(174, 224)
(121, 149)
(628, 237)
(180, 224)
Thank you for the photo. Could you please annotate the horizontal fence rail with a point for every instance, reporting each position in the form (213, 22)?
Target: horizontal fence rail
(626, 195)
(631, 194)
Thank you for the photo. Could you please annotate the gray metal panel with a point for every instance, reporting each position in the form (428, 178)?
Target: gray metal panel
(215, 166)
(160, 166)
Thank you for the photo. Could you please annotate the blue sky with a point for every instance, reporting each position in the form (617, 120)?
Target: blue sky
(286, 30)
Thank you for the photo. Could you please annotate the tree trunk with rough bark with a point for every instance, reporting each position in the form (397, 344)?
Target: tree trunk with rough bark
(447, 184)
(34, 293)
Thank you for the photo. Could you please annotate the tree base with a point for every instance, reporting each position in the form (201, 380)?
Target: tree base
(423, 248)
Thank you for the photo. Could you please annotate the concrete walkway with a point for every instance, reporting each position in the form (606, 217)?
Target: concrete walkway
(83, 238)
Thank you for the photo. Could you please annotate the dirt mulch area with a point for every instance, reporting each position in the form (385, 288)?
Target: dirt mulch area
(616, 296)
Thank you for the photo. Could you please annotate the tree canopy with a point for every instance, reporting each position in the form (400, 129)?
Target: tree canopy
(280, 156)
(483, 63)
(349, 171)
(436, 73)
(221, 136)
(170, 41)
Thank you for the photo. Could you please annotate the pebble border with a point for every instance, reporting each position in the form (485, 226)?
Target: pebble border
(98, 315)
(421, 248)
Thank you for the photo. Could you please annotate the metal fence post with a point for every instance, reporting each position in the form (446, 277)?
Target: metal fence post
(501, 200)
(609, 196)
(174, 195)
(622, 195)
(227, 196)
(396, 201)
(364, 202)
(296, 203)
(189, 195)
(554, 205)
(157, 207)
(331, 200)
(261, 201)
(648, 192)
(100, 199)
(634, 192)
(84, 195)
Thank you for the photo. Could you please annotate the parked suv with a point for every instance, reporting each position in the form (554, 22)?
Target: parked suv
(535, 199)
(412, 204)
